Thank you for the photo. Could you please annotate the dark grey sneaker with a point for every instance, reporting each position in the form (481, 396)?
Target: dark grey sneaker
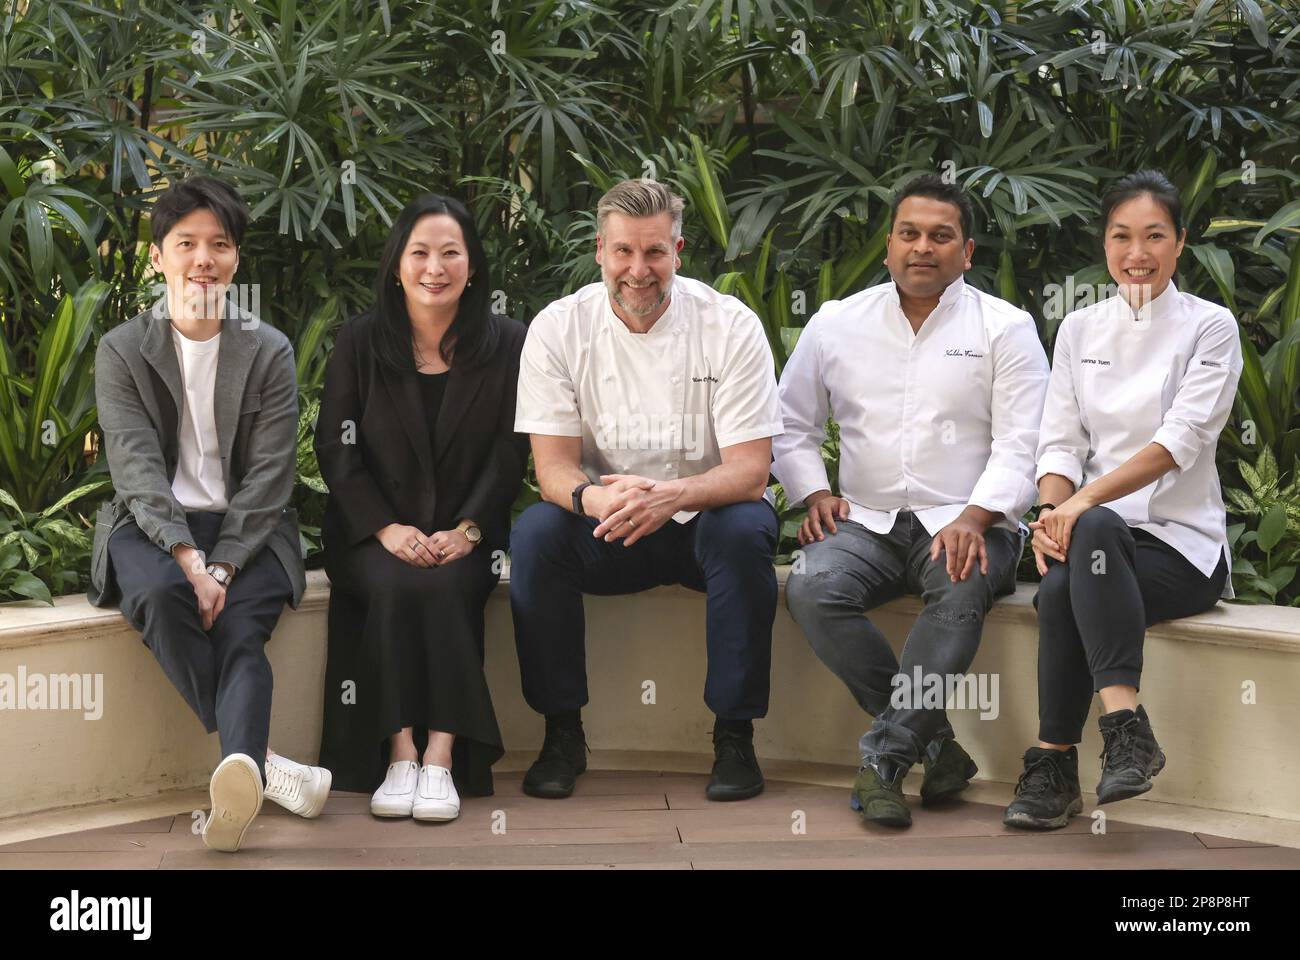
(878, 794)
(1131, 756)
(947, 774)
(1047, 793)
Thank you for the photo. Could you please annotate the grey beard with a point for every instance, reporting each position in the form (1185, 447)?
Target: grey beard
(663, 297)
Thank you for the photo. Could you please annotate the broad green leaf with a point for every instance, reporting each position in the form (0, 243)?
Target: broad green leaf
(1272, 528)
(27, 585)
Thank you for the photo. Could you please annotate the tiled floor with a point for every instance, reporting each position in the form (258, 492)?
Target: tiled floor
(645, 821)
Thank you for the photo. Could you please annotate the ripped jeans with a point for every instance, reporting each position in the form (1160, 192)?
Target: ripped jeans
(856, 570)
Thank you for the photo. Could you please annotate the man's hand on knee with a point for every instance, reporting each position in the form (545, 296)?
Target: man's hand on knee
(963, 543)
(823, 509)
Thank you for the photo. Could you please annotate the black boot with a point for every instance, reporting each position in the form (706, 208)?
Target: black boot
(564, 756)
(1131, 756)
(1047, 793)
(947, 774)
(735, 768)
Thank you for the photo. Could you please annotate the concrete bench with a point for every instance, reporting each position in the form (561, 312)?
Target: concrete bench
(1223, 690)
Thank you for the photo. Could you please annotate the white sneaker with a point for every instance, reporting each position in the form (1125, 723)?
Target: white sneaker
(436, 797)
(236, 794)
(396, 794)
(297, 787)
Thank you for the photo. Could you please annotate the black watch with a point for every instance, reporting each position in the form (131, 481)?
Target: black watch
(577, 497)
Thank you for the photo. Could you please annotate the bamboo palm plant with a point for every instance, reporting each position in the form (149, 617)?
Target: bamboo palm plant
(786, 123)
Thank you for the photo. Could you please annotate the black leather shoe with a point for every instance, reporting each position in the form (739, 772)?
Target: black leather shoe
(735, 768)
(564, 756)
(947, 775)
(1131, 756)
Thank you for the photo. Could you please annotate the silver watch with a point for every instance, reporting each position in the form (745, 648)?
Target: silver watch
(219, 574)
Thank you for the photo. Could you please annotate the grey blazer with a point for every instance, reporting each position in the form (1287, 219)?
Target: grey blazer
(139, 395)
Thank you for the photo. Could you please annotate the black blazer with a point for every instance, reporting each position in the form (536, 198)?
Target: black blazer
(372, 441)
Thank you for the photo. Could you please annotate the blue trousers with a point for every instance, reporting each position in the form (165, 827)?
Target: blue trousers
(725, 553)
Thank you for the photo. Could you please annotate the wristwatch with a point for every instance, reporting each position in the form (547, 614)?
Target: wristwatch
(220, 574)
(577, 497)
(472, 533)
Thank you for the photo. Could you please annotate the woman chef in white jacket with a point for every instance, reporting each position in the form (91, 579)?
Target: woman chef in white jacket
(1132, 528)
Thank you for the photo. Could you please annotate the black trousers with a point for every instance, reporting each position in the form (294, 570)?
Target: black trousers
(223, 674)
(1094, 609)
(406, 650)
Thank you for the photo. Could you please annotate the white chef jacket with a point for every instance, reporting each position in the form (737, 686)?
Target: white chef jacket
(199, 483)
(929, 422)
(1121, 380)
(659, 404)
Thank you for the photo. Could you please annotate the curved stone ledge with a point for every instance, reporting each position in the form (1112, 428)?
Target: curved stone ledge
(1229, 624)
(1224, 754)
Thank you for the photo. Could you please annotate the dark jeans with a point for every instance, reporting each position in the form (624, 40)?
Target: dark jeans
(223, 674)
(1094, 609)
(725, 552)
(855, 570)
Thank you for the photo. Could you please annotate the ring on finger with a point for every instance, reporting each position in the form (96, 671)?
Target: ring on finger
(631, 523)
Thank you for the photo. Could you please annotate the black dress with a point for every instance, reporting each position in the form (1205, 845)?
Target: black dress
(406, 642)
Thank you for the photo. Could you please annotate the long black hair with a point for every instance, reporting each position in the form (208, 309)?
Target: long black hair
(474, 333)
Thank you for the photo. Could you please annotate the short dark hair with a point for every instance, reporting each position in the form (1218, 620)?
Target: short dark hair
(474, 335)
(199, 193)
(1152, 182)
(933, 186)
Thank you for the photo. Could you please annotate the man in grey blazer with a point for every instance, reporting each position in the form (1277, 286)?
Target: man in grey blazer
(198, 404)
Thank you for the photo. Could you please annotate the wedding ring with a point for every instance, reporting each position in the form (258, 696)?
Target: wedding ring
(631, 522)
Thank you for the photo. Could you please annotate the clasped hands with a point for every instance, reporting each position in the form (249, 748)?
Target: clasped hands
(1052, 531)
(424, 550)
(631, 507)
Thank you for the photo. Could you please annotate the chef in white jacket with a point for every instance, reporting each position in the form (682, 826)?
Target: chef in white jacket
(937, 388)
(1132, 529)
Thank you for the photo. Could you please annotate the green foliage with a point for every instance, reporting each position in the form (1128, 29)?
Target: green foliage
(47, 552)
(786, 123)
(1266, 545)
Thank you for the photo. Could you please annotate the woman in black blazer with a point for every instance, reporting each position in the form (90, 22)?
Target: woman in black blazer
(416, 441)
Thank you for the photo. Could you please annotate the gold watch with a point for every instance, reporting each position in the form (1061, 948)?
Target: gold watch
(471, 531)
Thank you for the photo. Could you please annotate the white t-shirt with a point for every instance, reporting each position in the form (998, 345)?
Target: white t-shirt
(1122, 380)
(929, 421)
(660, 404)
(199, 483)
